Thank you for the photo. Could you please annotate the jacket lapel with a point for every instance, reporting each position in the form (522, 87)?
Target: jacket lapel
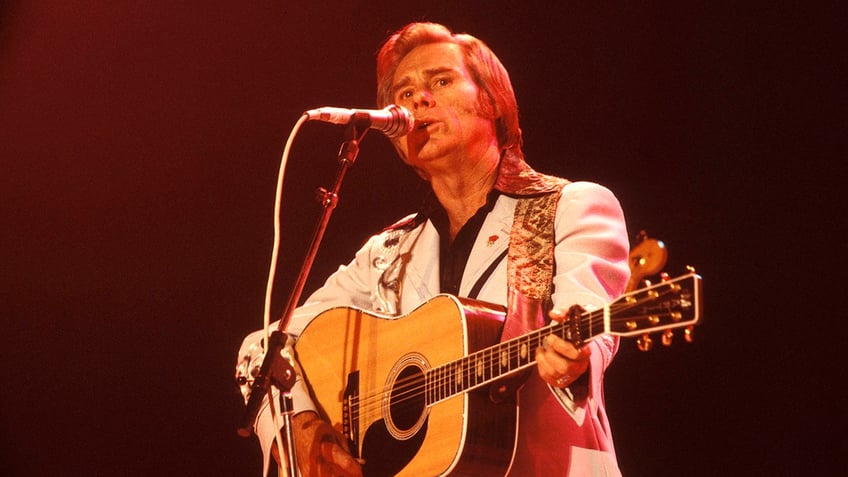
(492, 240)
(421, 279)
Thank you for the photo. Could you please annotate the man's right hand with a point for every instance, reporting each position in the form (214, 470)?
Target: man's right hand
(321, 450)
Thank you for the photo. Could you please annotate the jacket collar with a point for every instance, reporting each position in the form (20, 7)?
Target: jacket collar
(516, 178)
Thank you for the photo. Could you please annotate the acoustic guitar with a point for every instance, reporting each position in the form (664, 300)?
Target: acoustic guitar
(411, 392)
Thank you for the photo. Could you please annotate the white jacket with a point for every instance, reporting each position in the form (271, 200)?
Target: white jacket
(397, 270)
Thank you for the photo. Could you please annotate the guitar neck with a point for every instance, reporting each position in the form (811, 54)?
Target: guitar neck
(507, 358)
(670, 304)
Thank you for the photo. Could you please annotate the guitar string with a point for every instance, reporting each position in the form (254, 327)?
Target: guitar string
(443, 383)
(408, 389)
(411, 388)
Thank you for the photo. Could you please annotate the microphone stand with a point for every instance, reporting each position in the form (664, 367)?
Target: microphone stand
(275, 370)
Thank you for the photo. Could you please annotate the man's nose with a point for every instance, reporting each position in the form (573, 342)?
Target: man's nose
(424, 99)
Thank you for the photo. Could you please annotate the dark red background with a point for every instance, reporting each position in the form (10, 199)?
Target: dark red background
(140, 143)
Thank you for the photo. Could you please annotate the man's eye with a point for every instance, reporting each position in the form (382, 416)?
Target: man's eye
(442, 82)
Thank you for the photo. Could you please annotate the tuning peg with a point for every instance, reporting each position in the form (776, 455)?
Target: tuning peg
(690, 269)
(667, 336)
(645, 343)
(664, 277)
(689, 334)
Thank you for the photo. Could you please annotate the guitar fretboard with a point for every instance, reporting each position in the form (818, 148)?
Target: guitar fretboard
(667, 305)
(487, 365)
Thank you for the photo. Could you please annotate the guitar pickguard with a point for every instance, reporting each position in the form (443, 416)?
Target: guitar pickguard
(384, 455)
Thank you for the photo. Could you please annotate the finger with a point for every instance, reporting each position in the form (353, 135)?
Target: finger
(341, 461)
(554, 377)
(550, 366)
(325, 470)
(328, 469)
(554, 343)
(557, 314)
(342, 441)
(346, 462)
(585, 353)
(567, 349)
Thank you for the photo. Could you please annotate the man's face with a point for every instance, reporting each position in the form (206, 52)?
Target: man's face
(434, 84)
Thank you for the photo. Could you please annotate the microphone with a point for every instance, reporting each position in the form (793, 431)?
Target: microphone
(393, 121)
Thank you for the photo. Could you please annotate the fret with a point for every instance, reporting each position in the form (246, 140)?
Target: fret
(456, 378)
(524, 352)
(453, 371)
(505, 358)
(485, 356)
(449, 381)
(443, 371)
(436, 390)
(446, 381)
(490, 362)
(441, 380)
(428, 388)
(517, 346)
(590, 320)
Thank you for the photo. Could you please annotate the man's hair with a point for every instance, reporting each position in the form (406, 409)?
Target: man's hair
(497, 99)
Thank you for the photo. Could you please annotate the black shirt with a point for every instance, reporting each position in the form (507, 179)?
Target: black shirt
(453, 256)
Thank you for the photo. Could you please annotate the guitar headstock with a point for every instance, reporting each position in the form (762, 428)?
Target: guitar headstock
(664, 306)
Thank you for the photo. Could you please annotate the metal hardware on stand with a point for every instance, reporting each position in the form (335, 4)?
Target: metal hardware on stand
(276, 371)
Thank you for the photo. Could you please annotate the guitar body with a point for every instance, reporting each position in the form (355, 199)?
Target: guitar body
(368, 376)
(412, 393)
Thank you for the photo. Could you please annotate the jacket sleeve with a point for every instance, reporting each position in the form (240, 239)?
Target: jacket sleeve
(348, 286)
(591, 267)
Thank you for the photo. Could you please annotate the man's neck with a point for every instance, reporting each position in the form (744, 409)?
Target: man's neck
(462, 196)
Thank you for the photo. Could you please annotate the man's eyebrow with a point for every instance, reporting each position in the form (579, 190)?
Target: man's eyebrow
(428, 73)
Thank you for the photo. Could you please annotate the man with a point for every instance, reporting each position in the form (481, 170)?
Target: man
(492, 229)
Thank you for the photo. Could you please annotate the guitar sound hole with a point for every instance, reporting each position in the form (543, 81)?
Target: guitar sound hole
(406, 402)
